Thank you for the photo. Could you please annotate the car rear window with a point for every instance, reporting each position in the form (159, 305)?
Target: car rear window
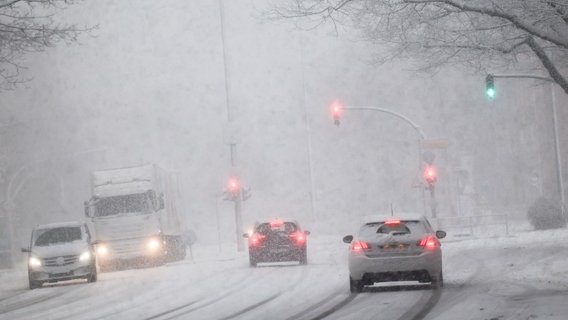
(266, 228)
(404, 227)
(46, 237)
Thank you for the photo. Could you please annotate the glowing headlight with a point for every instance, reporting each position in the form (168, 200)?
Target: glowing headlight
(35, 262)
(102, 250)
(153, 244)
(85, 256)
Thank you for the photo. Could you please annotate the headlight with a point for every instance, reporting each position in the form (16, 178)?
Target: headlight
(85, 256)
(35, 262)
(153, 244)
(102, 250)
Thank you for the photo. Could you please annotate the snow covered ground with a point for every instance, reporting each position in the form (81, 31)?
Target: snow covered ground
(520, 276)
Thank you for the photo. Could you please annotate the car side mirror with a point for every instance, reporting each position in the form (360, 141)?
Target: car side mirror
(440, 234)
(26, 250)
(348, 239)
(245, 235)
(306, 232)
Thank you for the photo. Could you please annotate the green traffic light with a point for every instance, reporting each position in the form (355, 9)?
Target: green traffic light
(490, 86)
(490, 93)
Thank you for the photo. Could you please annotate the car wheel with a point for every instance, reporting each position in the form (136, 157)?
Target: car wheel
(93, 276)
(356, 286)
(304, 257)
(438, 281)
(252, 260)
(35, 284)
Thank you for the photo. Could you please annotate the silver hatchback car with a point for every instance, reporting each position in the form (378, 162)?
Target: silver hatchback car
(403, 248)
(60, 251)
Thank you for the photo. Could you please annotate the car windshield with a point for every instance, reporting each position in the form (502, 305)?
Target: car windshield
(133, 203)
(266, 228)
(46, 237)
(402, 227)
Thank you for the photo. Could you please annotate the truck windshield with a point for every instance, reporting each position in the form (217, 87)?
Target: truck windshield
(132, 203)
(46, 237)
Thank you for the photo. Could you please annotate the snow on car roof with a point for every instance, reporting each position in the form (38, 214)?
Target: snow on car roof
(284, 219)
(59, 225)
(396, 216)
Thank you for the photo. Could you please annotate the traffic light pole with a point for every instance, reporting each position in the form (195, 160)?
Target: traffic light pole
(421, 139)
(239, 221)
(433, 205)
(232, 144)
(554, 124)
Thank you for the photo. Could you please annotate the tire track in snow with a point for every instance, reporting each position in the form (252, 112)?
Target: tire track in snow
(304, 314)
(267, 300)
(32, 302)
(202, 303)
(423, 306)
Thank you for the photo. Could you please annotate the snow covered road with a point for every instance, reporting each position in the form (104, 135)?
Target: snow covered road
(524, 276)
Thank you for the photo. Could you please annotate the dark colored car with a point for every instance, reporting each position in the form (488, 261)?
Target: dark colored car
(403, 248)
(277, 241)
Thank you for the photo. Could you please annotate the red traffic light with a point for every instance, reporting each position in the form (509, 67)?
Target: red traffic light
(430, 174)
(233, 185)
(336, 110)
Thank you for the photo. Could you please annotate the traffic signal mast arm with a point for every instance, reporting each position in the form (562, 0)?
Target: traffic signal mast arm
(529, 76)
(336, 110)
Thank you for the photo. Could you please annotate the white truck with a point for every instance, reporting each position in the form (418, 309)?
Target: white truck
(135, 215)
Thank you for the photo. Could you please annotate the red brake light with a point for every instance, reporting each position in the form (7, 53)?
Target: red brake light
(299, 237)
(255, 239)
(392, 222)
(359, 246)
(428, 242)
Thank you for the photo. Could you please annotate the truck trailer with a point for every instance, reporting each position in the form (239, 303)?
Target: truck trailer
(134, 212)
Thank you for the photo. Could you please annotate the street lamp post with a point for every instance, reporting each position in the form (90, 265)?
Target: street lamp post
(554, 124)
(416, 128)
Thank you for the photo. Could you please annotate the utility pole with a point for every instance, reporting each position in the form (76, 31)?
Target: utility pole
(232, 143)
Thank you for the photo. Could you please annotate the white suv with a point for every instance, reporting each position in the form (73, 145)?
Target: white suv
(59, 252)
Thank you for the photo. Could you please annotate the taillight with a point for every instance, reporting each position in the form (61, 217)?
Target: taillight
(299, 237)
(256, 239)
(358, 246)
(428, 242)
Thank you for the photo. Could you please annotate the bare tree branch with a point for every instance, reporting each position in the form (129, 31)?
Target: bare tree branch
(483, 34)
(30, 26)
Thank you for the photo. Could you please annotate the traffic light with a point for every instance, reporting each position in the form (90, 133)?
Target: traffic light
(430, 175)
(233, 188)
(490, 86)
(336, 110)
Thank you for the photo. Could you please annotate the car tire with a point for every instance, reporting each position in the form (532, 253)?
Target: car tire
(35, 284)
(304, 257)
(356, 286)
(252, 260)
(438, 281)
(93, 276)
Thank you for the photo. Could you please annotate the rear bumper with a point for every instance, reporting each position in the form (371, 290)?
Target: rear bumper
(416, 267)
(277, 254)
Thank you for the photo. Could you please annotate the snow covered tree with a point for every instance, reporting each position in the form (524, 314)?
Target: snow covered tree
(482, 34)
(29, 26)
